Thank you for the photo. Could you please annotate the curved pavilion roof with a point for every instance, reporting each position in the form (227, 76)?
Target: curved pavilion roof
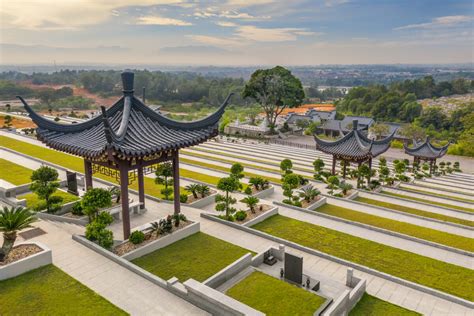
(426, 150)
(354, 146)
(128, 129)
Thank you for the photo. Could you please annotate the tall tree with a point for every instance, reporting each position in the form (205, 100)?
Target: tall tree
(274, 89)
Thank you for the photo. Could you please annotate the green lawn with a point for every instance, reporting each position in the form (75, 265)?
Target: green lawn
(198, 256)
(433, 235)
(33, 202)
(275, 297)
(436, 274)
(370, 305)
(415, 211)
(437, 194)
(50, 291)
(13, 173)
(427, 200)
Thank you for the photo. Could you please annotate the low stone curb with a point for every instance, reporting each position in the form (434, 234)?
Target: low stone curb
(310, 208)
(450, 184)
(264, 193)
(62, 219)
(262, 217)
(374, 272)
(408, 214)
(418, 185)
(434, 195)
(385, 231)
(419, 202)
(202, 202)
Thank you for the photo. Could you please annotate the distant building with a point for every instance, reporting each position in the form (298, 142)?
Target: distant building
(255, 131)
(311, 115)
(332, 127)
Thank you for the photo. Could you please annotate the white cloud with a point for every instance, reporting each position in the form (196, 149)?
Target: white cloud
(332, 3)
(68, 14)
(216, 41)
(254, 33)
(158, 20)
(213, 12)
(248, 3)
(440, 22)
(226, 24)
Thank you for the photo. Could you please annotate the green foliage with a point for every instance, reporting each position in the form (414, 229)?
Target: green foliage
(183, 198)
(50, 291)
(193, 189)
(95, 199)
(309, 193)
(290, 182)
(379, 130)
(274, 89)
(45, 183)
(240, 215)
(177, 218)
(13, 219)
(251, 202)
(164, 174)
(77, 209)
(136, 237)
(259, 183)
(275, 297)
(345, 187)
(96, 230)
(286, 166)
(203, 190)
(333, 182)
(237, 172)
(446, 277)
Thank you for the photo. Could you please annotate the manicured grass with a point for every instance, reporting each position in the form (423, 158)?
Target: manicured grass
(433, 235)
(436, 274)
(198, 256)
(274, 297)
(50, 291)
(13, 173)
(415, 211)
(370, 305)
(33, 202)
(226, 169)
(437, 194)
(427, 200)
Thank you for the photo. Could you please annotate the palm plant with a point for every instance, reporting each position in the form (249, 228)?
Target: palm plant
(256, 182)
(115, 191)
(251, 202)
(204, 190)
(193, 189)
(309, 193)
(13, 220)
(345, 187)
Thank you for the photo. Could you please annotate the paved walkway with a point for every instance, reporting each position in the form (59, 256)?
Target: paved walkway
(120, 286)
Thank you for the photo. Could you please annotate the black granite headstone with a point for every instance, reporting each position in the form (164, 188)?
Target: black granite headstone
(293, 268)
(71, 182)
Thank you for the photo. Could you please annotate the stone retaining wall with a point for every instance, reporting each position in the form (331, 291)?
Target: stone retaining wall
(262, 217)
(29, 263)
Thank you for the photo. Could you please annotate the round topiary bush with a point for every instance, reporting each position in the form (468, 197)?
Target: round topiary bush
(137, 237)
(240, 215)
(183, 198)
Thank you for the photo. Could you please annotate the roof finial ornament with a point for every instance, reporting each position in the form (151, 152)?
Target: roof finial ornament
(127, 82)
(107, 128)
(355, 124)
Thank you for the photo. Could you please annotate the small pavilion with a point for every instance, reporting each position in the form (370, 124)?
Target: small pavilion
(353, 147)
(127, 142)
(426, 152)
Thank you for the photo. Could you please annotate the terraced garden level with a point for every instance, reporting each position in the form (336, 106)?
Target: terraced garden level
(13, 173)
(415, 211)
(451, 206)
(198, 256)
(437, 194)
(429, 234)
(274, 297)
(429, 272)
(370, 305)
(50, 291)
(33, 202)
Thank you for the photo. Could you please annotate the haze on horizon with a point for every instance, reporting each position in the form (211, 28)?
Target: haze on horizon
(236, 32)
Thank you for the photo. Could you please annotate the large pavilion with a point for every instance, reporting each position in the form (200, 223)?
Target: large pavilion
(426, 152)
(354, 147)
(127, 142)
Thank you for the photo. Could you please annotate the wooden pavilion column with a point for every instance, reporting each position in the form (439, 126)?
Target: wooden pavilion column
(333, 165)
(88, 174)
(370, 168)
(177, 203)
(123, 168)
(344, 169)
(141, 188)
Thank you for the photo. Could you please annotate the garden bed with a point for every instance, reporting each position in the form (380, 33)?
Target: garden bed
(20, 252)
(260, 209)
(370, 305)
(150, 236)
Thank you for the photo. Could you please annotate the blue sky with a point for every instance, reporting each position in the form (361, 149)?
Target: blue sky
(236, 32)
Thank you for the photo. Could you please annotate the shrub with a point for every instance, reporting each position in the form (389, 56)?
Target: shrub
(297, 203)
(77, 209)
(137, 237)
(96, 230)
(224, 202)
(177, 218)
(309, 193)
(285, 166)
(229, 218)
(203, 190)
(251, 202)
(183, 198)
(240, 215)
(45, 183)
(248, 191)
(193, 189)
(338, 195)
(95, 199)
(164, 175)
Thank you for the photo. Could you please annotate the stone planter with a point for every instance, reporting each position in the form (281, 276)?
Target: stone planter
(264, 193)
(29, 263)
(203, 202)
